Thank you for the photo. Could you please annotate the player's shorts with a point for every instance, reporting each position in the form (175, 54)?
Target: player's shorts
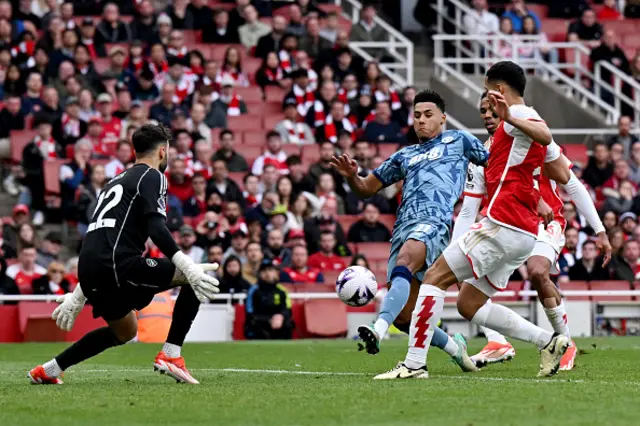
(487, 254)
(434, 236)
(549, 244)
(138, 280)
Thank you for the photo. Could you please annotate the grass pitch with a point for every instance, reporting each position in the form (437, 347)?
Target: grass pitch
(321, 383)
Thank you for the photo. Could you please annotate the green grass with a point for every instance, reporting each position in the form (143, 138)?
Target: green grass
(119, 387)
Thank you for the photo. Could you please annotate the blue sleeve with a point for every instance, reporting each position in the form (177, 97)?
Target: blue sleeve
(391, 171)
(474, 150)
(76, 180)
(248, 306)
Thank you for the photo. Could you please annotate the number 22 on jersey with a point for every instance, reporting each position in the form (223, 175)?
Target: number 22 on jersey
(115, 196)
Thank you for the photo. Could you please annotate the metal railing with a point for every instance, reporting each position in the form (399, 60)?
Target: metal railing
(398, 47)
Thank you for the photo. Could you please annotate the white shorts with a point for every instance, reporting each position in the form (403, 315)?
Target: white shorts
(487, 254)
(549, 244)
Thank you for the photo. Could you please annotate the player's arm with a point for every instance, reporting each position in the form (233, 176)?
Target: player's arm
(474, 191)
(534, 128)
(582, 200)
(363, 187)
(474, 149)
(557, 169)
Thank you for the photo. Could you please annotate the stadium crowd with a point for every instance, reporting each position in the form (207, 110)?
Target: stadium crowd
(254, 130)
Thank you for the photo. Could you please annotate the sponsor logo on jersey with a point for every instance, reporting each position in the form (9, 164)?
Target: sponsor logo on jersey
(152, 263)
(433, 154)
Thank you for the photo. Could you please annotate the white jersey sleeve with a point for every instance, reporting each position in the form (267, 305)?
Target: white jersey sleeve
(553, 152)
(523, 112)
(475, 185)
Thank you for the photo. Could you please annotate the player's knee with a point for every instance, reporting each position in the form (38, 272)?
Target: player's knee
(466, 309)
(538, 274)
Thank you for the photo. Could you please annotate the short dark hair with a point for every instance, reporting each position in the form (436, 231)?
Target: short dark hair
(149, 137)
(510, 73)
(268, 166)
(327, 232)
(293, 160)
(323, 143)
(430, 96)
(272, 134)
(586, 243)
(247, 176)
(224, 132)
(26, 246)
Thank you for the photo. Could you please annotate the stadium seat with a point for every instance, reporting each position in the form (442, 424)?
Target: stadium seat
(511, 286)
(238, 322)
(374, 251)
(271, 120)
(623, 27)
(203, 48)
(326, 318)
(36, 323)
(250, 153)
(250, 95)
(238, 177)
(245, 122)
(250, 66)
(631, 41)
(330, 277)
(575, 286)
(346, 220)
(52, 175)
(310, 153)
(101, 64)
(388, 220)
(291, 149)
(556, 29)
(274, 94)
(610, 285)
(20, 139)
(576, 153)
(192, 36)
(386, 149)
(539, 9)
(452, 300)
(218, 50)
(254, 138)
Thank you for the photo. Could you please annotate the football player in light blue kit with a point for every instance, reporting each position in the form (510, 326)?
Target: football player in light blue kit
(434, 173)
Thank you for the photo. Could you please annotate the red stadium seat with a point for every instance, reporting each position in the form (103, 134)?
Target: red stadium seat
(283, 11)
(576, 153)
(631, 41)
(622, 28)
(330, 277)
(250, 66)
(250, 94)
(254, 138)
(238, 177)
(556, 29)
(311, 153)
(575, 286)
(266, 108)
(539, 9)
(250, 153)
(291, 149)
(326, 318)
(20, 139)
(101, 64)
(374, 251)
(610, 285)
(270, 121)
(245, 122)
(191, 36)
(274, 94)
(388, 220)
(386, 149)
(203, 48)
(28, 122)
(346, 220)
(330, 8)
(218, 50)
(52, 175)
(511, 286)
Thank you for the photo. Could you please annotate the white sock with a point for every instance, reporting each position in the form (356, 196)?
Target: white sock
(52, 369)
(558, 318)
(171, 350)
(507, 322)
(424, 318)
(493, 336)
(451, 347)
(381, 327)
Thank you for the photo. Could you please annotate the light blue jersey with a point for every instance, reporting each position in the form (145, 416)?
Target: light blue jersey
(434, 174)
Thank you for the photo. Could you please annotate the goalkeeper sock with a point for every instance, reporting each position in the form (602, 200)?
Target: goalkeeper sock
(184, 312)
(171, 350)
(443, 341)
(52, 369)
(91, 344)
(394, 300)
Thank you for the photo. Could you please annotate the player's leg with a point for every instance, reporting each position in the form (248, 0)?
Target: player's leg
(118, 332)
(497, 349)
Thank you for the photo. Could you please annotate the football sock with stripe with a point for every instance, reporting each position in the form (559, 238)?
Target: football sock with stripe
(91, 344)
(394, 300)
(184, 312)
(443, 341)
(507, 322)
(424, 320)
(558, 318)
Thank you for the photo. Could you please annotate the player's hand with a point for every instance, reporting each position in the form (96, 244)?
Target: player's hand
(204, 285)
(545, 212)
(66, 313)
(345, 165)
(605, 246)
(499, 105)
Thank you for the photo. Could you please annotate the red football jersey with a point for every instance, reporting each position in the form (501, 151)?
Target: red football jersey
(110, 135)
(310, 276)
(550, 195)
(23, 279)
(511, 186)
(323, 262)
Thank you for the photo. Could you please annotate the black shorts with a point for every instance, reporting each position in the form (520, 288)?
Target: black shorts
(138, 280)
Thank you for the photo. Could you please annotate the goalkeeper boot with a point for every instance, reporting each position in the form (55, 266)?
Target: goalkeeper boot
(174, 368)
(370, 339)
(39, 377)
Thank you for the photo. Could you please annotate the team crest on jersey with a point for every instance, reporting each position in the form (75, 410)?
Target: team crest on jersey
(152, 263)
(448, 139)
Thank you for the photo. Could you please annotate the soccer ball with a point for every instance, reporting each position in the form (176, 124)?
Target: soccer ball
(356, 286)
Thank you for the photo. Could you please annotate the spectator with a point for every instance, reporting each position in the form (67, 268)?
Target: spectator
(326, 221)
(73, 175)
(253, 29)
(271, 42)
(325, 190)
(611, 52)
(239, 240)
(26, 235)
(180, 14)
(360, 260)
(304, 205)
(233, 281)
(334, 123)
(299, 271)
(111, 126)
(325, 259)
(136, 118)
(323, 165)
(268, 307)
(53, 282)
(275, 249)
(330, 30)
(611, 188)
(481, 21)
(296, 22)
(69, 127)
(383, 129)
(221, 183)
(252, 194)
(628, 222)
(589, 267)
(616, 152)
(348, 92)
(66, 50)
(163, 110)
(50, 249)
(188, 245)
(517, 11)
(50, 109)
(625, 265)
(13, 83)
(634, 163)
(196, 124)
(31, 100)
(231, 70)
(197, 204)
(301, 92)
(586, 30)
(369, 229)
(254, 259)
(270, 72)
(367, 30)
(229, 100)
(111, 28)
(179, 182)
(144, 88)
(41, 64)
(221, 32)
(88, 197)
(268, 179)
(600, 168)
(11, 116)
(624, 135)
(609, 11)
(622, 200)
(317, 112)
(85, 69)
(41, 148)
(291, 129)
(261, 212)
(344, 64)
(273, 155)
(235, 162)
(312, 42)
(20, 275)
(568, 254)
(300, 180)
(88, 37)
(143, 26)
